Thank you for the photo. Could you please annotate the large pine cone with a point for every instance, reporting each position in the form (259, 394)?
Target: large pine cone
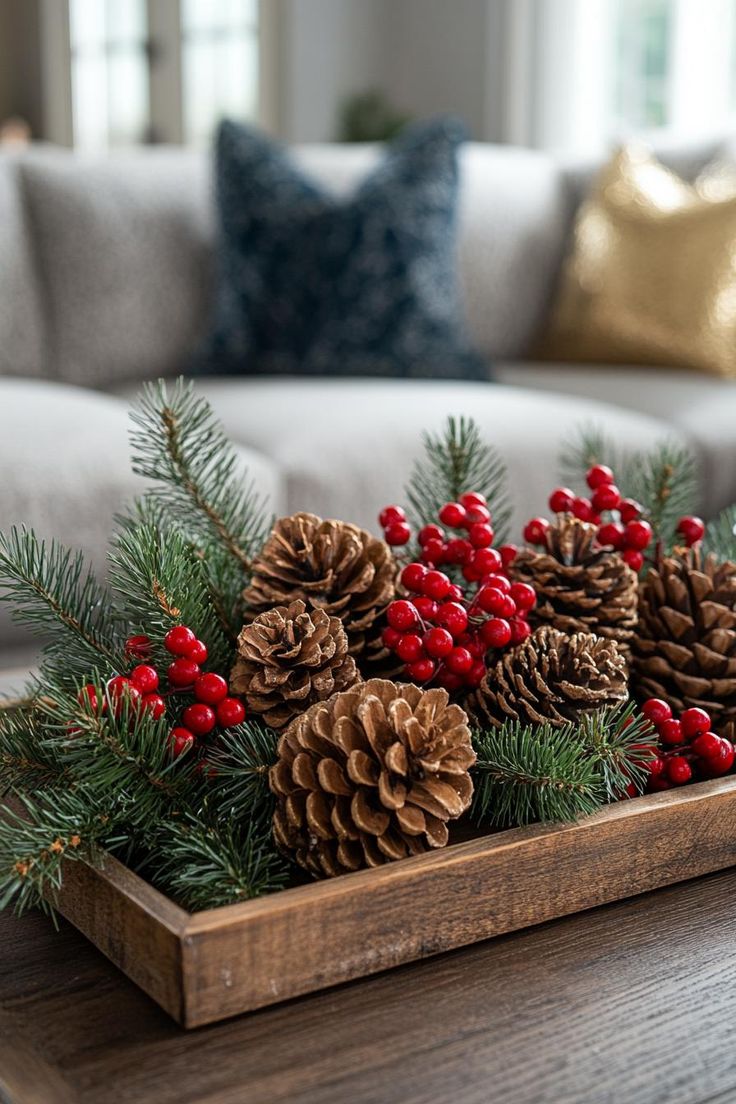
(685, 647)
(373, 774)
(580, 587)
(288, 659)
(553, 678)
(329, 565)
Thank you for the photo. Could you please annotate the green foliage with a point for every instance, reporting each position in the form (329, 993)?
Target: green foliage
(239, 783)
(455, 461)
(720, 536)
(540, 773)
(663, 479)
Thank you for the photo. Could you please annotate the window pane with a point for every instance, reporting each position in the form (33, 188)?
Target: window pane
(642, 69)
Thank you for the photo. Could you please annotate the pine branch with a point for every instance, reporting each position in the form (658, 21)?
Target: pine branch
(55, 596)
(26, 764)
(616, 739)
(455, 461)
(178, 441)
(204, 867)
(239, 787)
(720, 536)
(526, 775)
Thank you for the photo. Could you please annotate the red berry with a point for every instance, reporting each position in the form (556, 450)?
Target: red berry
(426, 608)
(694, 722)
(120, 689)
(500, 582)
(430, 533)
(561, 500)
(598, 475)
(390, 514)
(412, 576)
(476, 674)
(480, 535)
(155, 705)
(449, 680)
(422, 670)
(692, 529)
(582, 509)
(496, 633)
(88, 697)
(453, 515)
(402, 615)
(459, 661)
(722, 763)
(433, 552)
(508, 553)
(390, 637)
(456, 593)
(656, 766)
(634, 559)
(605, 497)
(630, 510)
(638, 535)
(520, 630)
(138, 647)
(230, 712)
(670, 731)
(435, 585)
(453, 617)
(473, 643)
(397, 533)
(458, 551)
(472, 498)
(524, 595)
(487, 560)
(410, 648)
(707, 745)
(144, 678)
(210, 688)
(477, 515)
(679, 770)
(656, 710)
(180, 741)
(179, 640)
(492, 600)
(611, 534)
(438, 643)
(535, 531)
(471, 573)
(199, 718)
(183, 672)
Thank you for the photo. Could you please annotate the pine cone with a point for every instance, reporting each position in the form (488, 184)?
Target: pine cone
(289, 659)
(551, 677)
(685, 647)
(580, 588)
(371, 775)
(329, 565)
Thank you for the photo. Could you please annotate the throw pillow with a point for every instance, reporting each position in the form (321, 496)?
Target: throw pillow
(310, 284)
(651, 278)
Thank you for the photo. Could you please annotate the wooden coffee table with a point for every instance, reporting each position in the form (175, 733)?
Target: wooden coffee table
(632, 1002)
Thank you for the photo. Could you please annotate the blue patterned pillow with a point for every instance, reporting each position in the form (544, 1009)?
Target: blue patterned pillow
(314, 285)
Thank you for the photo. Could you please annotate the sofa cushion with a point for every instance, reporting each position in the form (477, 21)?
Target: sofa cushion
(22, 324)
(124, 245)
(65, 461)
(700, 410)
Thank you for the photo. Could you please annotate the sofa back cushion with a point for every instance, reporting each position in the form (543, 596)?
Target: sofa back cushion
(22, 335)
(124, 244)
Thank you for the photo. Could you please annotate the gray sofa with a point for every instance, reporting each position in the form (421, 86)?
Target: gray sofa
(106, 280)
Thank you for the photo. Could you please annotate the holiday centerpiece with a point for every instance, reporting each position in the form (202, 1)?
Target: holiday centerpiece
(251, 704)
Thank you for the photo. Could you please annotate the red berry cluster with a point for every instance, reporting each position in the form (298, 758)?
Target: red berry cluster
(620, 521)
(687, 750)
(141, 689)
(444, 629)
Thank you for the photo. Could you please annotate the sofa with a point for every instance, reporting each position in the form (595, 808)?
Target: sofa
(106, 277)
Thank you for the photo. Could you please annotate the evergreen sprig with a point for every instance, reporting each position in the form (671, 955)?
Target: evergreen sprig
(455, 461)
(664, 479)
(720, 536)
(239, 784)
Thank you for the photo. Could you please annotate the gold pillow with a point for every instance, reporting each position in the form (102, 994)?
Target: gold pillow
(651, 278)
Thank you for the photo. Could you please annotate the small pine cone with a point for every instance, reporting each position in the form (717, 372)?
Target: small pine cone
(288, 659)
(551, 677)
(329, 565)
(685, 646)
(372, 775)
(580, 588)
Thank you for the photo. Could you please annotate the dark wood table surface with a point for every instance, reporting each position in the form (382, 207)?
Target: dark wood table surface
(635, 1002)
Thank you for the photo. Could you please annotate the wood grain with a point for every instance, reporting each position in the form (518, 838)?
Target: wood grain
(632, 1002)
(221, 962)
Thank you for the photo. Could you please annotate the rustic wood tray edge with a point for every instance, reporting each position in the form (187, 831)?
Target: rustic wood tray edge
(206, 966)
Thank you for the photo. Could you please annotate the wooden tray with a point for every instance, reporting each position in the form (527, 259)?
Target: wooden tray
(209, 965)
